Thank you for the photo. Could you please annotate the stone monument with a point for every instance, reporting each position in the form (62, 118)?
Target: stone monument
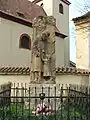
(43, 51)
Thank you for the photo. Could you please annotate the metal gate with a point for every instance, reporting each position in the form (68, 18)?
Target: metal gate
(46, 103)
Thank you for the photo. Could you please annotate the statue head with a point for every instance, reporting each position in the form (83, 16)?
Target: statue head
(45, 35)
(39, 22)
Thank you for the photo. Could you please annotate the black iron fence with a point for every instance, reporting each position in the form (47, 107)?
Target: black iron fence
(60, 102)
(5, 91)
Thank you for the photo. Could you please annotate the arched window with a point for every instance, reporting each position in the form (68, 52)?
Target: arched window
(61, 8)
(25, 41)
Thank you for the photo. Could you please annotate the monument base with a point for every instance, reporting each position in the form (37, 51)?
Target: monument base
(43, 81)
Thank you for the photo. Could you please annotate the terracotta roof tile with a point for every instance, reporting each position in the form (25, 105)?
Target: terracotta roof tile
(14, 71)
(70, 70)
(25, 7)
(26, 71)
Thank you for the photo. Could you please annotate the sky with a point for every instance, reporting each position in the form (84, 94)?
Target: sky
(72, 34)
(77, 8)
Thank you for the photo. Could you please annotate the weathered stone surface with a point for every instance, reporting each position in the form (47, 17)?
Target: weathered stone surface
(43, 51)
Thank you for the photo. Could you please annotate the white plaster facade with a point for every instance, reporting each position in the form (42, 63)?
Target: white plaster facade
(10, 53)
(62, 23)
(72, 79)
(14, 79)
(60, 79)
(59, 51)
(82, 44)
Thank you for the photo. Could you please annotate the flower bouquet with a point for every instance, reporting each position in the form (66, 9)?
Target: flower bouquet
(43, 109)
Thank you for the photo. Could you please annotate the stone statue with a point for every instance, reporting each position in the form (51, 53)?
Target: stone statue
(43, 50)
(38, 53)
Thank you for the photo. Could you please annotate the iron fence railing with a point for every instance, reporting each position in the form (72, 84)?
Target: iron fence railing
(46, 103)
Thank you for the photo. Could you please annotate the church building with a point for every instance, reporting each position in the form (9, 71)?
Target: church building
(16, 19)
(16, 31)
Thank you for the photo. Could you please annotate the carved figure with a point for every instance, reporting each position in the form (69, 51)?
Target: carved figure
(46, 66)
(43, 50)
(36, 60)
(38, 52)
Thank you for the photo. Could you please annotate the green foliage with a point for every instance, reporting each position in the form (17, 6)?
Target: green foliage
(18, 112)
(70, 112)
(14, 112)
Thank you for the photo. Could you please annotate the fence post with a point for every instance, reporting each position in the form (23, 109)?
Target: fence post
(68, 115)
(61, 100)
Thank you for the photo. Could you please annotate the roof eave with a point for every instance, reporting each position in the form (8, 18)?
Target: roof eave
(60, 35)
(66, 1)
(15, 18)
(80, 18)
(36, 1)
(72, 64)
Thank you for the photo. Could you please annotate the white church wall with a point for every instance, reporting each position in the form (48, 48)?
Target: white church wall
(60, 79)
(72, 79)
(14, 79)
(59, 51)
(47, 6)
(62, 23)
(10, 53)
(62, 20)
